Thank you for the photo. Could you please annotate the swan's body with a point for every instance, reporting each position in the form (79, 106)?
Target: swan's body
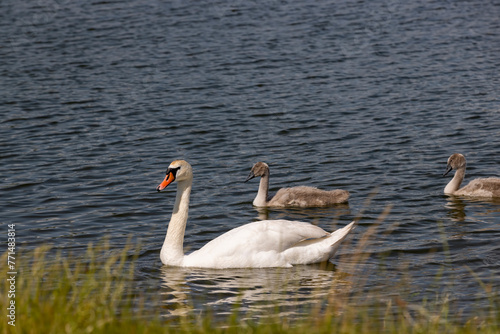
(302, 196)
(485, 187)
(268, 243)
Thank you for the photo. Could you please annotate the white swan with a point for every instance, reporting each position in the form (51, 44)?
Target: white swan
(301, 196)
(268, 243)
(486, 187)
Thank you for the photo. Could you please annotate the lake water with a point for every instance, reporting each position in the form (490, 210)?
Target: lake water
(98, 97)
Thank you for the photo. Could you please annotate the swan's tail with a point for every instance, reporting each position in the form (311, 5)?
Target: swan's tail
(318, 250)
(339, 235)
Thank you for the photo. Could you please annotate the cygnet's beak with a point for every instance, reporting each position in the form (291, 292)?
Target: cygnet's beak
(168, 179)
(448, 169)
(250, 176)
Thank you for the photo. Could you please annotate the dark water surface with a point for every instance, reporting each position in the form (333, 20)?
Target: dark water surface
(97, 98)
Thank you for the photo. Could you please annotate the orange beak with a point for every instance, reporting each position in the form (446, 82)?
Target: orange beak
(168, 179)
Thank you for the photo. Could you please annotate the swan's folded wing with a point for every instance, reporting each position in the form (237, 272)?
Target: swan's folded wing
(304, 196)
(487, 187)
(263, 236)
(283, 234)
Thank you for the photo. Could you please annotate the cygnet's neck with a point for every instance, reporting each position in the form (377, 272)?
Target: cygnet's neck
(261, 198)
(172, 252)
(455, 183)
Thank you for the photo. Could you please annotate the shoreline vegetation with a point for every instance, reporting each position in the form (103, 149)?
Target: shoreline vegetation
(94, 293)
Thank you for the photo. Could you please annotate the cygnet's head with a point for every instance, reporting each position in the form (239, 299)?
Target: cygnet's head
(259, 169)
(455, 161)
(179, 170)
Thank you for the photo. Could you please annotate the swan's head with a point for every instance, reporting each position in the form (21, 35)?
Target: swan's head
(455, 161)
(179, 170)
(259, 169)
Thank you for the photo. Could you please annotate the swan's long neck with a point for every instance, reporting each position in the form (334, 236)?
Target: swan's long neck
(455, 183)
(261, 198)
(172, 252)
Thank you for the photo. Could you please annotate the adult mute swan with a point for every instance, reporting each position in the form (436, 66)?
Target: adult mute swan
(268, 243)
(486, 187)
(302, 196)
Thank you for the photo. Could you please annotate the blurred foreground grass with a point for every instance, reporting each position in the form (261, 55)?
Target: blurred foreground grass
(94, 293)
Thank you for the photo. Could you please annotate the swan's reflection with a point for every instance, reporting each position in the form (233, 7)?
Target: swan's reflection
(304, 214)
(456, 208)
(250, 291)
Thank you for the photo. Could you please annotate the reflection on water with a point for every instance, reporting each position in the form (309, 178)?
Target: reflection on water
(308, 214)
(257, 291)
(456, 208)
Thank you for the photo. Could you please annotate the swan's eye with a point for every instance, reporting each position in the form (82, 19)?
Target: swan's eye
(172, 170)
